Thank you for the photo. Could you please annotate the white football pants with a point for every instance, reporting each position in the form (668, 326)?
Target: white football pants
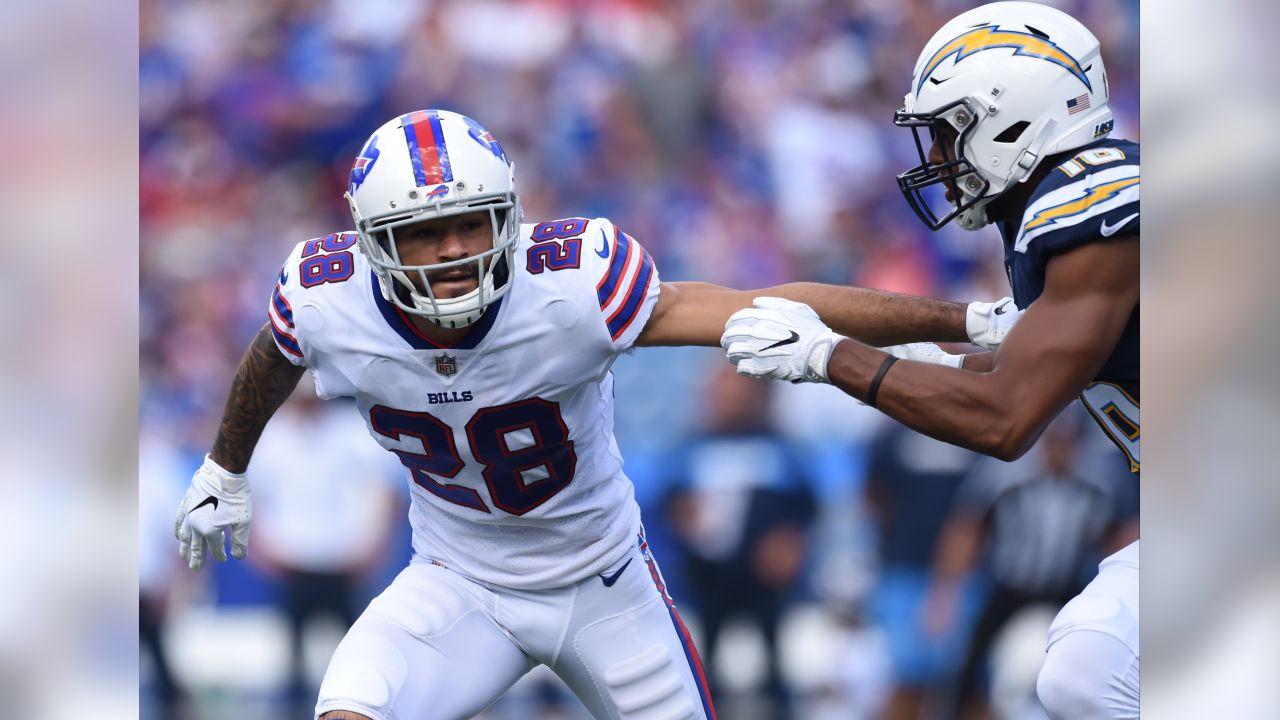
(1091, 669)
(437, 646)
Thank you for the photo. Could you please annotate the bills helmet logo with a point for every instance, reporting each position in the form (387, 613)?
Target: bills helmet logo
(440, 191)
(486, 139)
(446, 365)
(363, 164)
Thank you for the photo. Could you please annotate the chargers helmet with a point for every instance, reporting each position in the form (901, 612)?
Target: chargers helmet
(1011, 82)
(431, 164)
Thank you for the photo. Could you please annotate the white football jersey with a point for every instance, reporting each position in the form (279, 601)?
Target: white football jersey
(507, 434)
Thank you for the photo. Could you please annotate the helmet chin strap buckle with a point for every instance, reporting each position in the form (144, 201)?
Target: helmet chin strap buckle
(1027, 160)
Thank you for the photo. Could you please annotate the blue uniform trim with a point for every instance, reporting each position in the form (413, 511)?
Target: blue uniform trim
(282, 307)
(682, 632)
(286, 342)
(622, 318)
(399, 321)
(621, 254)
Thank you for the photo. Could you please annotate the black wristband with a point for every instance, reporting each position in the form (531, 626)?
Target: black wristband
(875, 381)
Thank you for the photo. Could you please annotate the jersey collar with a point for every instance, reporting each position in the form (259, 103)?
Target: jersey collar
(404, 327)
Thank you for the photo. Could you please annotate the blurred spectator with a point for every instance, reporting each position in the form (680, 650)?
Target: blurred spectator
(326, 501)
(912, 481)
(1042, 523)
(860, 679)
(742, 512)
(161, 473)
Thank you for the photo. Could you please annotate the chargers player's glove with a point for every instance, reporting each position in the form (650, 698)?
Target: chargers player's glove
(987, 323)
(780, 340)
(216, 500)
(925, 352)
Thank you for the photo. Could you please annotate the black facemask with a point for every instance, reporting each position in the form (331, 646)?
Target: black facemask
(946, 174)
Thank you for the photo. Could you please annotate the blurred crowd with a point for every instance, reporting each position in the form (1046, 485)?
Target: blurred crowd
(744, 143)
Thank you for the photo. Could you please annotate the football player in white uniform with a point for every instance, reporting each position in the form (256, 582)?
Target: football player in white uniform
(1014, 97)
(478, 350)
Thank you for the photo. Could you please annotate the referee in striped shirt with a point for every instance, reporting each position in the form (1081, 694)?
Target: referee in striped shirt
(1040, 522)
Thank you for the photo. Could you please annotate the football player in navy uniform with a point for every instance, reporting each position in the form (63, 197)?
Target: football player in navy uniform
(1009, 107)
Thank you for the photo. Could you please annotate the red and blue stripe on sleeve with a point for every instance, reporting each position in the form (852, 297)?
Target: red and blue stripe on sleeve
(280, 313)
(625, 284)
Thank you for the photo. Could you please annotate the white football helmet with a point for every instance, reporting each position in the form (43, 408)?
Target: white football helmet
(1012, 82)
(430, 164)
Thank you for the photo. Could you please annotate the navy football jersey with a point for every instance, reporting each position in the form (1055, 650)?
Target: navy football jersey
(1089, 196)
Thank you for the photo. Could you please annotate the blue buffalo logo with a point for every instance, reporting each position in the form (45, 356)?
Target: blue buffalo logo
(486, 139)
(363, 164)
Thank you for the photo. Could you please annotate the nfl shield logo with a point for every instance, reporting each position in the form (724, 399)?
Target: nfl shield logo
(446, 365)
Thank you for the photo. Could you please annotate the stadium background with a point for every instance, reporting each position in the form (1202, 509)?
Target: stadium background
(745, 143)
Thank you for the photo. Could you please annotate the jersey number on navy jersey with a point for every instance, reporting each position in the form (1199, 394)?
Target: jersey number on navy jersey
(1119, 415)
(524, 447)
(1094, 157)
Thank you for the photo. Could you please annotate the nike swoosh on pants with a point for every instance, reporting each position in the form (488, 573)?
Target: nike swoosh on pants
(609, 580)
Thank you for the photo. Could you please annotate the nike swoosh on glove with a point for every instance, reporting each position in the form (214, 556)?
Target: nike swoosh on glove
(987, 323)
(217, 500)
(780, 340)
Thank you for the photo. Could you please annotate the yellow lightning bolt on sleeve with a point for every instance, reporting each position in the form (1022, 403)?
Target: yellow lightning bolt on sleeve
(1094, 196)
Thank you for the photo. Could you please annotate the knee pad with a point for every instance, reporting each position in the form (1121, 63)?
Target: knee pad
(1089, 675)
(650, 686)
(366, 673)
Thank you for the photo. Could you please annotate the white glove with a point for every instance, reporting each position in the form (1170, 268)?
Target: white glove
(780, 340)
(925, 352)
(216, 500)
(987, 323)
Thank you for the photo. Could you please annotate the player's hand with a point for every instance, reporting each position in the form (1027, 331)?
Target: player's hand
(925, 352)
(216, 500)
(780, 340)
(987, 323)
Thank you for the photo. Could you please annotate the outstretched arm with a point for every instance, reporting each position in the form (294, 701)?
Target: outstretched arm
(218, 500)
(1048, 358)
(263, 381)
(694, 313)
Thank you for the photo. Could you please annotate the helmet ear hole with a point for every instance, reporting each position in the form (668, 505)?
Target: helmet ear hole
(1012, 133)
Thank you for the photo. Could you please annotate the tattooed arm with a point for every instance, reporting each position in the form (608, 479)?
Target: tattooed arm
(263, 381)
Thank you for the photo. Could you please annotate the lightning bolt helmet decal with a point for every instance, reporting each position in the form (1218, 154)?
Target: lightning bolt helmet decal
(991, 37)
